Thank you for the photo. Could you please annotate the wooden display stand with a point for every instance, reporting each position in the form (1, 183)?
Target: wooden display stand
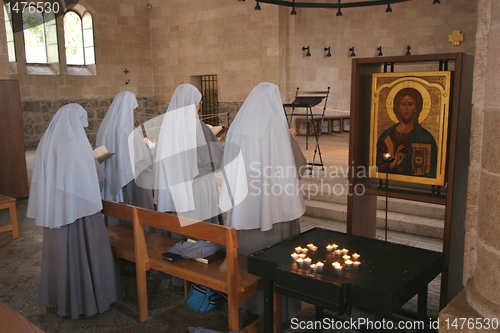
(14, 175)
(361, 207)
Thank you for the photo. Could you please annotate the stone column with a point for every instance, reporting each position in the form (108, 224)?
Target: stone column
(481, 297)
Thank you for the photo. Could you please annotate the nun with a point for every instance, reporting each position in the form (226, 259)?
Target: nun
(260, 187)
(187, 157)
(78, 273)
(117, 134)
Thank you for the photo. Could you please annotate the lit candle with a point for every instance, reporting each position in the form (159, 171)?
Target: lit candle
(298, 249)
(387, 156)
(335, 246)
(346, 257)
(345, 251)
(294, 256)
(307, 261)
(302, 255)
(348, 262)
(320, 265)
(299, 262)
(305, 250)
(338, 252)
(337, 266)
(314, 248)
(329, 248)
(355, 256)
(356, 263)
(309, 245)
(313, 267)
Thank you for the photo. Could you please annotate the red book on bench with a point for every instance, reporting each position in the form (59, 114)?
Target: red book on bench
(211, 258)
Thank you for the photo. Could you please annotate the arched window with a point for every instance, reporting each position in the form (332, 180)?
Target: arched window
(79, 38)
(40, 37)
(11, 48)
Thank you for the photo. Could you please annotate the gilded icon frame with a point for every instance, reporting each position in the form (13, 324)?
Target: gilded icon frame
(424, 161)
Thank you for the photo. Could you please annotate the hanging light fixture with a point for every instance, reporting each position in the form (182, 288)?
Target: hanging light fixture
(339, 6)
(339, 12)
(328, 54)
(388, 9)
(257, 6)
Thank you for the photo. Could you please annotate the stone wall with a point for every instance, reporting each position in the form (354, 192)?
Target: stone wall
(481, 296)
(38, 115)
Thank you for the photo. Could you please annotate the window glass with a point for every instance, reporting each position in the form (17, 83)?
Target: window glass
(79, 39)
(88, 38)
(73, 39)
(40, 37)
(34, 38)
(11, 49)
(51, 38)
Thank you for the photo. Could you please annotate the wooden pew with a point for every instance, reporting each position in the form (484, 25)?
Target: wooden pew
(145, 249)
(13, 322)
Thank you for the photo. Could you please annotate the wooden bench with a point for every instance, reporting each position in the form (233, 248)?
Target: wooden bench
(13, 322)
(331, 123)
(145, 249)
(10, 203)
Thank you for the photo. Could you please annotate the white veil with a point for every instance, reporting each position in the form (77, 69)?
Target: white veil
(176, 151)
(64, 185)
(113, 134)
(260, 132)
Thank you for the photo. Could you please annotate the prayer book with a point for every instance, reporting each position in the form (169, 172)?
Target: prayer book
(102, 154)
(217, 130)
(149, 143)
(211, 258)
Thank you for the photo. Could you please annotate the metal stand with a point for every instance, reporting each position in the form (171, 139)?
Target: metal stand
(388, 159)
(307, 100)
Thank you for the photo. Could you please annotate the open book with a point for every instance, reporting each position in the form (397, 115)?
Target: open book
(102, 154)
(217, 130)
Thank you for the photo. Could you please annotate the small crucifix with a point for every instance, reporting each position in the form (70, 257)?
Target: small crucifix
(456, 37)
(125, 71)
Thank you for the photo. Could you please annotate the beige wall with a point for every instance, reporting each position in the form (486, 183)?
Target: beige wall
(121, 30)
(418, 23)
(175, 40)
(227, 38)
(171, 42)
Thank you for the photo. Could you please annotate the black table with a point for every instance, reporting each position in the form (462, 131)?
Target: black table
(388, 277)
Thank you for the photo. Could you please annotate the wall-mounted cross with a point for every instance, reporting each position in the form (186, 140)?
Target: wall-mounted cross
(125, 71)
(456, 37)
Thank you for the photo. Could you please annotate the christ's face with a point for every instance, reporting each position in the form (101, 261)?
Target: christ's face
(406, 109)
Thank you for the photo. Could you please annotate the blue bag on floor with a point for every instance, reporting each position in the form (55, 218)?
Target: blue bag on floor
(204, 299)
